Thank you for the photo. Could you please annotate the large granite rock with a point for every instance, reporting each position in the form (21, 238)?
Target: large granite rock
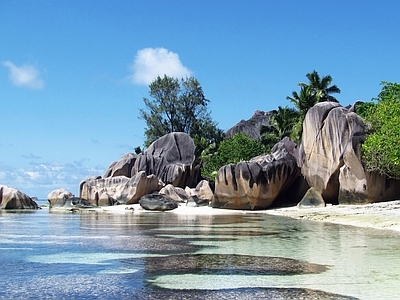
(157, 202)
(257, 183)
(171, 159)
(175, 193)
(201, 195)
(122, 189)
(12, 198)
(330, 158)
(123, 167)
(252, 126)
(312, 199)
(59, 197)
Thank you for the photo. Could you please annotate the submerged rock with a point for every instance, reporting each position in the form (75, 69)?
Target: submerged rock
(12, 198)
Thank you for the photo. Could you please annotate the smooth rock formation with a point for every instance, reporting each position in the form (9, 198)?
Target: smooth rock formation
(330, 158)
(106, 200)
(195, 201)
(257, 183)
(123, 189)
(312, 199)
(175, 193)
(12, 198)
(73, 204)
(252, 126)
(157, 202)
(58, 197)
(171, 159)
(201, 195)
(123, 167)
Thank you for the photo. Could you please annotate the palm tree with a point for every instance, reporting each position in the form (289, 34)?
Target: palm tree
(281, 125)
(322, 88)
(304, 100)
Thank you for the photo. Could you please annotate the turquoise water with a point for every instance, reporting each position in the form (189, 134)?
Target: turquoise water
(167, 256)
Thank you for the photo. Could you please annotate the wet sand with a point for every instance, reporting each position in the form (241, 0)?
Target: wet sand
(383, 215)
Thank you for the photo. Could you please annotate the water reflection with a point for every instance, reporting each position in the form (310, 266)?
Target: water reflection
(166, 255)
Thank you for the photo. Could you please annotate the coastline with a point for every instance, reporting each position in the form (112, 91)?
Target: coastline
(382, 215)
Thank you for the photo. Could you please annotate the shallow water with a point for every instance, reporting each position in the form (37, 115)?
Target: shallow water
(168, 256)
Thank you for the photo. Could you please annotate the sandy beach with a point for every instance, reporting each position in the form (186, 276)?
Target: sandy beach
(383, 215)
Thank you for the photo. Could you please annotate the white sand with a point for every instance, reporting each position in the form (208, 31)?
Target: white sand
(383, 215)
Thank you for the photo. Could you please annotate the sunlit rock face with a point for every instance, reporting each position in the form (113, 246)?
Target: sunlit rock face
(257, 183)
(122, 189)
(252, 126)
(330, 158)
(170, 158)
(12, 198)
(58, 197)
(122, 167)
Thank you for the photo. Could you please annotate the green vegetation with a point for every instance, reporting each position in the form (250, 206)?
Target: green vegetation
(233, 150)
(317, 90)
(281, 125)
(381, 151)
(179, 106)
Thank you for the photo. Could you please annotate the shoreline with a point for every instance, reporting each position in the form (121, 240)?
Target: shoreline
(381, 215)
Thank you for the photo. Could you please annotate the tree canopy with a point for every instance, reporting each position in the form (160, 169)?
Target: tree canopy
(238, 148)
(381, 152)
(316, 90)
(179, 106)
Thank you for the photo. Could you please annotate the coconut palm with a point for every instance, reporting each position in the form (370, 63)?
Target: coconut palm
(304, 100)
(281, 125)
(322, 88)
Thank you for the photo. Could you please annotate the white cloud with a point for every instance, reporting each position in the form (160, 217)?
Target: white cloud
(24, 76)
(39, 179)
(152, 62)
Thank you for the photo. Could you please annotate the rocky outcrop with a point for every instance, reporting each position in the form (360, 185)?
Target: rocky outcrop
(58, 197)
(122, 189)
(175, 193)
(72, 204)
(171, 159)
(312, 199)
(257, 183)
(12, 198)
(252, 126)
(123, 167)
(157, 202)
(330, 158)
(202, 193)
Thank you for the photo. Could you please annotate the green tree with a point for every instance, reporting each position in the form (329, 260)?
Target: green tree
(321, 87)
(238, 148)
(179, 106)
(316, 90)
(281, 125)
(381, 152)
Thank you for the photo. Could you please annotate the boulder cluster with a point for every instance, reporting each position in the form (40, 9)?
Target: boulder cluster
(325, 168)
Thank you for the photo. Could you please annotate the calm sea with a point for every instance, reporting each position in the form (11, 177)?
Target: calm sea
(167, 256)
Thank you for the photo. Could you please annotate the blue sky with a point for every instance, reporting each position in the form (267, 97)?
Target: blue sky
(73, 74)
